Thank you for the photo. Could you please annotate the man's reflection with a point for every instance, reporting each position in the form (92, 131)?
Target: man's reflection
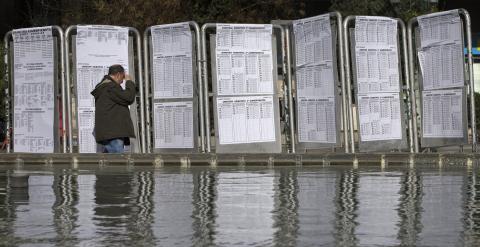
(112, 207)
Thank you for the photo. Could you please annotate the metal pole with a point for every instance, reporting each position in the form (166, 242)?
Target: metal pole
(6, 41)
(147, 87)
(62, 85)
(140, 82)
(346, 48)
(413, 97)
(342, 80)
(286, 32)
(407, 81)
(205, 82)
(68, 85)
(196, 28)
(468, 26)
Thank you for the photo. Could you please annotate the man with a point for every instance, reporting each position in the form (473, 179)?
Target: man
(113, 125)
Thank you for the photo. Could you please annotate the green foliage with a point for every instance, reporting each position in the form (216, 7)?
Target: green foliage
(141, 14)
(362, 7)
(403, 9)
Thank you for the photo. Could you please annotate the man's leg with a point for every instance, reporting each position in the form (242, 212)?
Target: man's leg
(114, 146)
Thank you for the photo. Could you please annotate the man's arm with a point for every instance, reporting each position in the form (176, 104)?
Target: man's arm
(123, 97)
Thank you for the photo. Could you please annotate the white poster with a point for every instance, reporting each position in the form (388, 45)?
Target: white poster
(244, 37)
(376, 32)
(172, 61)
(376, 54)
(377, 70)
(34, 91)
(86, 121)
(313, 40)
(244, 59)
(316, 120)
(246, 119)
(442, 66)
(379, 116)
(441, 55)
(315, 81)
(440, 28)
(97, 48)
(442, 113)
(173, 123)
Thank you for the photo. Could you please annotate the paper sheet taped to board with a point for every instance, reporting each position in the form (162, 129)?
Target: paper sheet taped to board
(34, 90)
(246, 119)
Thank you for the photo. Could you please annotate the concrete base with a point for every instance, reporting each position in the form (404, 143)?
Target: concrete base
(213, 160)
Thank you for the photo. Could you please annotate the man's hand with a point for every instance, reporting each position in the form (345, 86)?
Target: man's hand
(128, 77)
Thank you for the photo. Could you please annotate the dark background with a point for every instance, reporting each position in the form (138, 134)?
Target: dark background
(21, 13)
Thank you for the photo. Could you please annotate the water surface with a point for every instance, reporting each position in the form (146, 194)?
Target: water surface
(281, 206)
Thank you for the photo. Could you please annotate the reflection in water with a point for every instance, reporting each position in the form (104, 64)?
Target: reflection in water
(173, 208)
(65, 213)
(112, 208)
(244, 208)
(378, 197)
(441, 210)
(203, 214)
(7, 211)
(286, 205)
(316, 208)
(409, 208)
(257, 207)
(139, 226)
(346, 206)
(471, 218)
(85, 230)
(31, 225)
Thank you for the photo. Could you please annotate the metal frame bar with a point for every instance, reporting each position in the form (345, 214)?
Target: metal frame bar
(413, 97)
(401, 26)
(204, 80)
(348, 80)
(61, 85)
(68, 76)
(286, 42)
(193, 25)
(68, 86)
(64, 96)
(471, 84)
(412, 131)
(345, 115)
(141, 87)
(147, 86)
(7, 89)
(285, 58)
(473, 123)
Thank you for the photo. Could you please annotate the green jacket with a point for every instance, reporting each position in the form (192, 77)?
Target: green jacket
(112, 116)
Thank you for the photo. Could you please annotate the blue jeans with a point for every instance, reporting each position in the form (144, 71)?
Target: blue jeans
(113, 146)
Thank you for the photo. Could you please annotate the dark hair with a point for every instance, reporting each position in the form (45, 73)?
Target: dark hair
(116, 68)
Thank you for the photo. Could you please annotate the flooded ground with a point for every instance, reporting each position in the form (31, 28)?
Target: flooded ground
(235, 206)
